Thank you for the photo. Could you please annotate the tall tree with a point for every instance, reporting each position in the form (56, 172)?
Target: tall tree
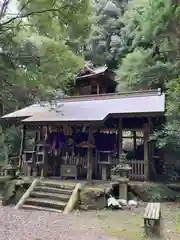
(39, 46)
(105, 42)
(153, 60)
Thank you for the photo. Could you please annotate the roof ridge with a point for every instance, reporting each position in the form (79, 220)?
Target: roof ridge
(127, 94)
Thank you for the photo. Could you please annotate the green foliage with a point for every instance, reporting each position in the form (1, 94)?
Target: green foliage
(147, 64)
(152, 39)
(153, 192)
(139, 70)
(106, 44)
(62, 19)
(40, 53)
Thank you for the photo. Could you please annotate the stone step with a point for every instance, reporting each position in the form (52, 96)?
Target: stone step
(38, 208)
(50, 195)
(43, 188)
(43, 202)
(56, 184)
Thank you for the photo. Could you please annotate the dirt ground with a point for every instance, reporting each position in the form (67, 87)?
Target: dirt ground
(128, 225)
(91, 225)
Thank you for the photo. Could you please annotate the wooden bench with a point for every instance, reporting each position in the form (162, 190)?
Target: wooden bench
(152, 215)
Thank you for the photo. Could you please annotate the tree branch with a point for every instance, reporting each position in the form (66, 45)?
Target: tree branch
(4, 8)
(21, 16)
(25, 5)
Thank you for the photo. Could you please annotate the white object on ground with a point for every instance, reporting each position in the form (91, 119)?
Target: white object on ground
(132, 203)
(123, 202)
(112, 202)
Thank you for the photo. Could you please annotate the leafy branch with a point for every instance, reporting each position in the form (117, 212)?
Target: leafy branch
(21, 15)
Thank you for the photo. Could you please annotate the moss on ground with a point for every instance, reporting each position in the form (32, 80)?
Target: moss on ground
(92, 197)
(123, 223)
(128, 224)
(153, 192)
(125, 233)
(12, 190)
(174, 186)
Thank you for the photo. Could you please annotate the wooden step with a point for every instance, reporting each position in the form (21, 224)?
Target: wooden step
(50, 195)
(38, 208)
(43, 202)
(41, 188)
(57, 185)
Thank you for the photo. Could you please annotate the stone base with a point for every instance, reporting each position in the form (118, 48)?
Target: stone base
(94, 198)
(123, 190)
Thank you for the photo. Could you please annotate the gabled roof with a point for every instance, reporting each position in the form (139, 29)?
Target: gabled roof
(92, 108)
(90, 71)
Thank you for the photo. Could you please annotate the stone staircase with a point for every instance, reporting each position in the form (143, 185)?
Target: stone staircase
(49, 195)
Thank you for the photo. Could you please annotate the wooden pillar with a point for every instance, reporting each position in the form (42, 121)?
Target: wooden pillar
(44, 170)
(146, 151)
(23, 133)
(98, 90)
(152, 165)
(5, 149)
(1, 109)
(35, 141)
(34, 155)
(104, 172)
(89, 157)
(120, 138)
(134, 140)
(41, 133)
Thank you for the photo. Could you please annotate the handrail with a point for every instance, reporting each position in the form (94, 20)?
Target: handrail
(73, 199)
(26, 194)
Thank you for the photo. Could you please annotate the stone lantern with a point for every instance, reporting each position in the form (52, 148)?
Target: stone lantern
(10, 170)
(120, 172)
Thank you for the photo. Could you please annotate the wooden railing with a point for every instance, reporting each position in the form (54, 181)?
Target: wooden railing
(137, 171)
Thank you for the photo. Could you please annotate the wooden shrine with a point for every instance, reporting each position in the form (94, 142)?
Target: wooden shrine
(86, 140)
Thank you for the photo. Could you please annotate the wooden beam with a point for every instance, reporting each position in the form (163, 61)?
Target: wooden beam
(44, 171)
(35, 141)
(151, 152)
(26, 194)
(120, 137)
(98, 90)
(146, 151)
(5, 149)
(89, 157)
(134, 140)
(23, 133)
(74, 199)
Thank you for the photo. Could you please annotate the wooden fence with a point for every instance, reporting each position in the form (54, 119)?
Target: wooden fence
(137, 172)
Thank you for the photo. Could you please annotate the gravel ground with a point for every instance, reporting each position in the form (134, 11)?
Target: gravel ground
(38, 225)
